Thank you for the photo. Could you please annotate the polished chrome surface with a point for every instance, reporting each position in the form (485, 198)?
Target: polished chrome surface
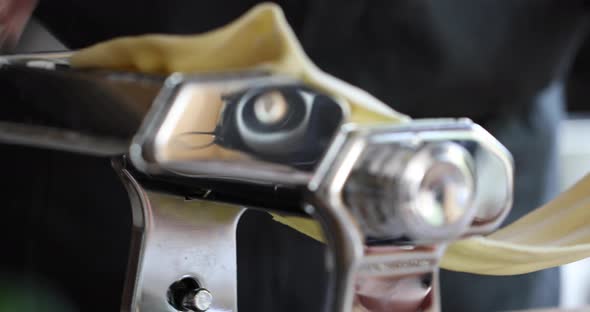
(60, 139)
(175, 238)
(201, 301)
(409, 293)
(446, 186)
(390, 198)
(395, 188)
(57, 57)
(79, 130)
(187, 295)
(252, 127)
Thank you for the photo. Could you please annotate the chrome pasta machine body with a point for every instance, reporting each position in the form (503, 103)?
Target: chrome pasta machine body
(195, 151)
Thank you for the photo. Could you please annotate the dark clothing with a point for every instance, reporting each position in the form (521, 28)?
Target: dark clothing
(489, 60)
(483, 59)
(532, 139)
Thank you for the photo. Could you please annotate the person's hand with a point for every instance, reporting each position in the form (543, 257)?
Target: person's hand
(14, 15)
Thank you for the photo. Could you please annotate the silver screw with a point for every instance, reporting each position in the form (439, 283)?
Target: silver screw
(199, 300)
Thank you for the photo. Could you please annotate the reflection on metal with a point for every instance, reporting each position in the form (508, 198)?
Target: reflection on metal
(200, 300)
(389, 198)
(175, 238)
(60, 139)
(65, 109)
(252, 127)
(409, 293)
(59, 57)
(396, 188)
(373, 193)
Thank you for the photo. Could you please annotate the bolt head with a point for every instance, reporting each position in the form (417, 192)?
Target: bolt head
(203, 299)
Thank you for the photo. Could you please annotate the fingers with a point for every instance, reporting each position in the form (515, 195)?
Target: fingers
(14, 15)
